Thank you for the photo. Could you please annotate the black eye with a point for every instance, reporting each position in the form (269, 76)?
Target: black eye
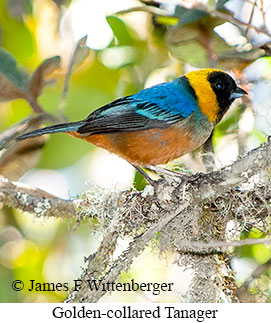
(219, 85)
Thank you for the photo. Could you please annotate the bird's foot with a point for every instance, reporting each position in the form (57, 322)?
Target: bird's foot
(151, 181)
(198, 179)
(164, 171)
(195, 179)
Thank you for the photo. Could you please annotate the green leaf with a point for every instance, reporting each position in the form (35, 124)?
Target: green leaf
(13, 82)
(261, 253)
(220, 4)
(79, 54)
(15, 36)
(229, 124)
(188, 15)
(16, 160)
(120, 30)
(198, 38)
(139, 182)
(16, 84)
(167, 21)
(38, 79)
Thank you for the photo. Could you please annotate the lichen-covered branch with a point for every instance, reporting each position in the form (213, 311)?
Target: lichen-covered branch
(178, 227)
(38, 202)
(190, 216)
(122, 263)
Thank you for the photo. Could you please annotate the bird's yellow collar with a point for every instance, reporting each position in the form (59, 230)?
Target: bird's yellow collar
(207, 100)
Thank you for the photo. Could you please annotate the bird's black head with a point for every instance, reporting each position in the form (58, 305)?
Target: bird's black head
(226, 91)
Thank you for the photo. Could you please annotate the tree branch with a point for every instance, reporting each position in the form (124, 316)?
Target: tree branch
(200, 6)
(122, 263)
(201, 245)
(186, 214)
(37, 202)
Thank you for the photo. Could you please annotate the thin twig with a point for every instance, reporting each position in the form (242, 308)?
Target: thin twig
(224, 244)
(200, 6)
(148, 9)
(251, 15)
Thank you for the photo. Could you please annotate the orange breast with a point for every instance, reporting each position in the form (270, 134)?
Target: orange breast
(150, 147)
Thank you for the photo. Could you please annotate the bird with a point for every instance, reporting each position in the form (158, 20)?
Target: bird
(157, 124)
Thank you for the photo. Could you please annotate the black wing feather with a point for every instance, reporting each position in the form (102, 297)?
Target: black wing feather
(120, 116)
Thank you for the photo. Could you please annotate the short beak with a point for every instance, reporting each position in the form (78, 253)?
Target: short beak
(238, 93)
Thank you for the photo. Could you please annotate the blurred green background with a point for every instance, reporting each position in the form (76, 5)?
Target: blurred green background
(128, 52)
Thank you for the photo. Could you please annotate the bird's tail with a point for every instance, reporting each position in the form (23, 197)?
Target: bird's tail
(64, 127)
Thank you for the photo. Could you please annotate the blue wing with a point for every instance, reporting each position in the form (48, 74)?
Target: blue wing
(174, 99)
(155, 107)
